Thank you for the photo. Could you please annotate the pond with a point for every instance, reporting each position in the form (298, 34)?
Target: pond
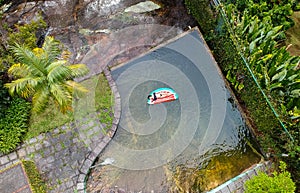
(192, 144)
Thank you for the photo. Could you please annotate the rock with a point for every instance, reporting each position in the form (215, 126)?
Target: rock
(143, 7)
(120, 190)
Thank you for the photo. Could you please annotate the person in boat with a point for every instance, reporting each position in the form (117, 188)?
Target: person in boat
(152, 97)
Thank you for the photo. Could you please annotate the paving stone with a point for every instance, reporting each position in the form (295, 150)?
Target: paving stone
(58, 147)
(40, 137)
(38, 146)
(4, 160)
(32, 140)
(69, 183)
(30, 149)
(15, 161)
(238, 190)
(46, 143)
(116, 120)
(239, 182)
(37, 157)
(69, 190)
(47, 152)
(80, 186)
(106, 139)
(21, 152)
(56, 131)
(81, 178)
(86, 166)
(90, 132)
(114, 127)
(12, 156)
(251, 173)
(90, 124)
(232, 187)
(64, 127)
(67, 143)
(225, 190)
(50, 159)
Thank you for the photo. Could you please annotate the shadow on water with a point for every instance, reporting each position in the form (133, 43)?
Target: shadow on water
(189, 145)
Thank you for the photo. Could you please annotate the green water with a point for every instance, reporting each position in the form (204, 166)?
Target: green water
(192, 144)
(190, 170)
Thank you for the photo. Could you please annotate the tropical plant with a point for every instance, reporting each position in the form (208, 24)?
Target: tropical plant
(276, 70)
(278, 11)
(278, 182)
(14, 124)
(41, 74)
(22, 34)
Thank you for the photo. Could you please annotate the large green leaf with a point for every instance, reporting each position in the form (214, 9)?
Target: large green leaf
(78, 70)
(57, 71)
(280, 75)
(295, 93)
(28, 58)
(40, 100)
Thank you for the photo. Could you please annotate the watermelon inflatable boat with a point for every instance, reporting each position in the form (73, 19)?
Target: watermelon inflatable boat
(162, 95)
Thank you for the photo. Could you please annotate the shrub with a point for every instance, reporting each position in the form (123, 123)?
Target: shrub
(278, 182)
(5, 99)
(14, 124)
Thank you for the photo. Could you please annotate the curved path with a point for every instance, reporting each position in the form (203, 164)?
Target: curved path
(64, 155)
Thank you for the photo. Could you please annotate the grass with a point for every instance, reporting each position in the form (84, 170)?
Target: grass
(99, 99)
(293, 36)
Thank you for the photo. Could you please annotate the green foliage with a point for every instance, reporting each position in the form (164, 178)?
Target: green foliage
(35, 180)
(47, 120)
(275, 69)
(41, 76)
(5, 99)
(14, 124)
(52, 118)
(21, 34)
(205, 17)
(26, 34)
(104, 104)
(278, 182)
(279, 12)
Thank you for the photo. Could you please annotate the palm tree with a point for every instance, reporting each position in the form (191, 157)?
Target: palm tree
(41, 75)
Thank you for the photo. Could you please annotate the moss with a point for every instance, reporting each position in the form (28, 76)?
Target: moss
(36, 183)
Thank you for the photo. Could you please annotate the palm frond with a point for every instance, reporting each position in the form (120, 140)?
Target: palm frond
(19, 70)
(76, 88)
(57, 71)
(51, 48)
(61, 96)
(24, 87)
(27, 57)
(78, 70)
(40, 100)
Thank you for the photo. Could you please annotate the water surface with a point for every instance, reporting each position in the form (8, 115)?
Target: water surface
(191, 144)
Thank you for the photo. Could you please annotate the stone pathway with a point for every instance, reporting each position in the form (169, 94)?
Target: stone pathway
(65, 155)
